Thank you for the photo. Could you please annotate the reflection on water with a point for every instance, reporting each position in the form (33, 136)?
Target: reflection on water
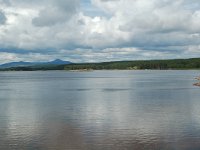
(110, 110)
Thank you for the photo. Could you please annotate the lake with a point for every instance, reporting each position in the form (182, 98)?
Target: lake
(99, 110)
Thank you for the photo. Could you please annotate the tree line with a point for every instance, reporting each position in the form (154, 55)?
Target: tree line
(193, 63)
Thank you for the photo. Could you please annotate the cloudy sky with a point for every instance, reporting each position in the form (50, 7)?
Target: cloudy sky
(98, 30)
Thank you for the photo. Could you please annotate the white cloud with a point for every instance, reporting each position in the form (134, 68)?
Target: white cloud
(158, 27)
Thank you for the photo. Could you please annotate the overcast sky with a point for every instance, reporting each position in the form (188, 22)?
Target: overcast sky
(98, 30)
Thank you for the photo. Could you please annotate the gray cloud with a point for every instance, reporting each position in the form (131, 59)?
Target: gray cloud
(56, 12)
(5, 2)
(2, 18)
(155, 28)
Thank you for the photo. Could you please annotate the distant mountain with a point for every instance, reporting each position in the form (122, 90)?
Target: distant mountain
(25, 64)
(170, 64)
(16, 64)
(58, 62)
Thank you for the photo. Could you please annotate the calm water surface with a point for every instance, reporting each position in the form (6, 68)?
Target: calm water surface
(99, 110)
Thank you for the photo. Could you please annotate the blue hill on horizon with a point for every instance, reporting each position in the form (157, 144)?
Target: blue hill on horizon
(25, 64)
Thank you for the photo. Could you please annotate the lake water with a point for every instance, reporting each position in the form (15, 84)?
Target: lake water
(99, 110)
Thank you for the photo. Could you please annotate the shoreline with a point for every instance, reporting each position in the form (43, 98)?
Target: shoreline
(90, 70)
(198, 83)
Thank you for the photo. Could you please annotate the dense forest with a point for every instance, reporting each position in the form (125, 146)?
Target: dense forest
(193, 63)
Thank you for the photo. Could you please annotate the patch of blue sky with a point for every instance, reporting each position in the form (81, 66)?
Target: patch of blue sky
(193, 6)
(90, 10)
